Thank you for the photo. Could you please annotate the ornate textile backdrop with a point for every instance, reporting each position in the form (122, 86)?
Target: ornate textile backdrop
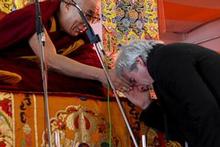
(11, 5)
(126, 20)
(76, 121)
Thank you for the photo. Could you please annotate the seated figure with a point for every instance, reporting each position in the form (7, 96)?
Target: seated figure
(73, 64)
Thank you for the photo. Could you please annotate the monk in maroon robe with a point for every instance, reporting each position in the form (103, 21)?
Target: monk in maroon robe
(19, 47)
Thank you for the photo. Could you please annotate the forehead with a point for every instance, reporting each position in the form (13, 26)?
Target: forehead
(129, 74)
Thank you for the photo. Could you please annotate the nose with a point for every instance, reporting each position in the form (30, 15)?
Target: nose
(82, 28)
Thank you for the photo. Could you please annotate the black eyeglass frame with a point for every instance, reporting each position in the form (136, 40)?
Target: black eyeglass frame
(93, 38)
(89, 17)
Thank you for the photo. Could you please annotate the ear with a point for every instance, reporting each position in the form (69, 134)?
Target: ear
(139, 60)
(65, 4)
(64, 7)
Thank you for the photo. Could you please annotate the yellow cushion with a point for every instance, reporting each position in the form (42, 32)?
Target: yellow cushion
(7, 77)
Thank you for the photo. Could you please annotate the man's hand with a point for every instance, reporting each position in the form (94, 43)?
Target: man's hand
(118, 83)
(138, 97)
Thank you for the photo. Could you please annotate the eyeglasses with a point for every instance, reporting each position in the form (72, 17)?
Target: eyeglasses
(90, 15)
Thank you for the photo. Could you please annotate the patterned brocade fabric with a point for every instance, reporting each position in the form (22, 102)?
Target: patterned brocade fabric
(127, 20)
(74, 121)
(7, 6)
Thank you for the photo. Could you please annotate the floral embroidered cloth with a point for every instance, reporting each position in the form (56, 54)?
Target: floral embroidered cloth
(75, 120)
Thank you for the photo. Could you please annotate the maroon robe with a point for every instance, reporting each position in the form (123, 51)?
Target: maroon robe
(15, 30)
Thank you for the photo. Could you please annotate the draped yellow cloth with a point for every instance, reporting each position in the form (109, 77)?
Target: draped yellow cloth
(74, 120)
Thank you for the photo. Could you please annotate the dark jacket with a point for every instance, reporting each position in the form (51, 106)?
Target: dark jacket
(187, 84)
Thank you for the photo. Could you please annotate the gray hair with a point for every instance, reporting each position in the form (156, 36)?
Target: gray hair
(129, 53)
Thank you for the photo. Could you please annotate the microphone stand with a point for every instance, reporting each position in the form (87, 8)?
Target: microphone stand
(94, 39)
(41, 39)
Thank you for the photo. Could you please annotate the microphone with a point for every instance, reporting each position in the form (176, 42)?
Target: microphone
(38, 23)
(41, 39)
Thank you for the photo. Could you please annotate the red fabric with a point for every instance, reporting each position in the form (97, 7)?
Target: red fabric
(18, 27)
(2, 15)
(22, 22)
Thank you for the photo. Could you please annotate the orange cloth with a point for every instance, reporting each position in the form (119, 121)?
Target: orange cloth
(74, 118)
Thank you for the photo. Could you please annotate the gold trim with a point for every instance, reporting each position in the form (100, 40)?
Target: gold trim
(35, 121)
(9, 77)
(73, 47)
(13, 117)
(53, 27)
